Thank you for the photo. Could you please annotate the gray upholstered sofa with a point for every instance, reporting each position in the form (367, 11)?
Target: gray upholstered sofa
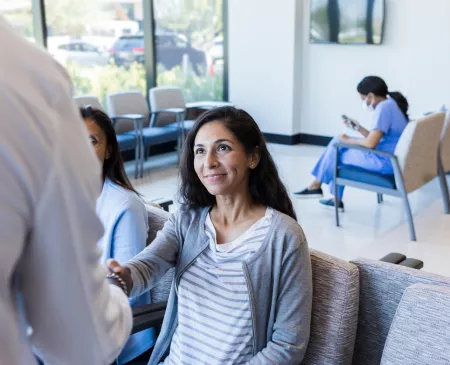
(365, 312)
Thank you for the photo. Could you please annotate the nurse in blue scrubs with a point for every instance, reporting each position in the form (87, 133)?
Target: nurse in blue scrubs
(390, 117)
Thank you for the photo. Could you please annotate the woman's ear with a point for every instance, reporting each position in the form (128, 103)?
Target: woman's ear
(254, 159)
(108, 153)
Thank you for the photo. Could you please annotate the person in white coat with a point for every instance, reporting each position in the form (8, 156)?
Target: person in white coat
(55, 300)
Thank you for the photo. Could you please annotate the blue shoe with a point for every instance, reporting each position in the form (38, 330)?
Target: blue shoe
(329, 203)
(309, 194)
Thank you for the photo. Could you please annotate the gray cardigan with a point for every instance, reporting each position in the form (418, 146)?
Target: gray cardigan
(278, 277)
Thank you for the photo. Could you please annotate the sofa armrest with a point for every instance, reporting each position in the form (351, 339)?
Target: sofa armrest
(163, 203)
(147, 316)
(412, 263)
(393, 258)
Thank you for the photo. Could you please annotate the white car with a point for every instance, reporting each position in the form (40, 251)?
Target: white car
(82, 53)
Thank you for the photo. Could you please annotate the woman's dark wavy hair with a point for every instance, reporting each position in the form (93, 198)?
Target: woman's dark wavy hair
(113, 167)
(377, 86)
(265, 184)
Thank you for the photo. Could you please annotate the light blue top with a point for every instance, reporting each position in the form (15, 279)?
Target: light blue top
(124, 218)
(278, 278)
(389, 119)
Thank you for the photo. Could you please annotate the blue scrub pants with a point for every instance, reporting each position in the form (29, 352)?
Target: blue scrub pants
(324, 169)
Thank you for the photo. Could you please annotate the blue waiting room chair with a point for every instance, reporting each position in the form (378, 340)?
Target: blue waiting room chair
(415, 161)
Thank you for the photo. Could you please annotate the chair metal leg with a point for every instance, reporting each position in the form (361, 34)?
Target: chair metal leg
(380, 198)
(336, 202)
(444, 188)
(335, 185)
(136, 161)
(412, 231)
(336, 209)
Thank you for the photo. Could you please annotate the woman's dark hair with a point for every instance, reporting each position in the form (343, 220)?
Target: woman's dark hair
(377, 86)
(265, 184)
(113, 168)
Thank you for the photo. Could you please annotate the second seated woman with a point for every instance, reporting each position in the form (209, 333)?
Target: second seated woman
(122, 213)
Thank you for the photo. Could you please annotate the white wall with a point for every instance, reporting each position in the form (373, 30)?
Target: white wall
(292, 86)
(261, 61)
(414, 59)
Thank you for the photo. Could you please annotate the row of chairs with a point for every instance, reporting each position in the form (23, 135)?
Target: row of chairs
(422, 154)
(138, 128)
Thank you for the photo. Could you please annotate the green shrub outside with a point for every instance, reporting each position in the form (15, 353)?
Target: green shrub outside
(103, 80)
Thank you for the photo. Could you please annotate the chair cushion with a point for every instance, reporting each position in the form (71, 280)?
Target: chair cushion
(157, 135)
(365, 176)
(188, 124)
(334, 312)
(420, 331)
(127, 141)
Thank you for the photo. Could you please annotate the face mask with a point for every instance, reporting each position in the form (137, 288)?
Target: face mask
(365, 106)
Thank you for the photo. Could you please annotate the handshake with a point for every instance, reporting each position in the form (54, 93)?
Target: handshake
(119, 275)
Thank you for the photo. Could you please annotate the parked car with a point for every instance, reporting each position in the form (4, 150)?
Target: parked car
(170, 49)
(82, 53)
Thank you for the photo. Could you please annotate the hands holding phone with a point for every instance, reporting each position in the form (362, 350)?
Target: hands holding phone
(351, 123)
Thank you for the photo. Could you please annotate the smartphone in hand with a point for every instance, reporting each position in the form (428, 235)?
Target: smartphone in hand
(349, 122)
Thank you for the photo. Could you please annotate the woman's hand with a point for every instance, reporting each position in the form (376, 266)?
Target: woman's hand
(353, 124)
(344, 138)
(122, 271)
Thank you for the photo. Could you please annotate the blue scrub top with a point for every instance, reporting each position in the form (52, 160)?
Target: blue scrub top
(389, 119)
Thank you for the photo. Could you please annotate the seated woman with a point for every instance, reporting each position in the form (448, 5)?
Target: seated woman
(242, 289)
(389, 119)
(122, 213)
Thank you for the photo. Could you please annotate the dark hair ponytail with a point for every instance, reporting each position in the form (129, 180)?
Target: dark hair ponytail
(377, 86)
(113, 167)
(401, 102)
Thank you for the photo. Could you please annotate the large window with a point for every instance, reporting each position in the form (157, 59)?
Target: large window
(189, 47)
(19, 14)
(100, 42)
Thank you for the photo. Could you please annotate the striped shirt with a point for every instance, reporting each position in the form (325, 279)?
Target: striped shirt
(214, 317)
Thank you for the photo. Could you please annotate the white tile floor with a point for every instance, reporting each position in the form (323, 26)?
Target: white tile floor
(367, 229)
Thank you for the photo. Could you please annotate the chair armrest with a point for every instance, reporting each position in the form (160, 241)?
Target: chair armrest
(127, 116)
(207, 104)
(365, 149)
(393, 258)
(134, 117)
(169, 110)
(147, 316)
(163, 204)
(412, 263)
(149, 308)
(154, 319)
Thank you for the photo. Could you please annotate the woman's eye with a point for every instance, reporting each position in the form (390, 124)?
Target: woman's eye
(93, 141)
(223, 147)
(199, 151)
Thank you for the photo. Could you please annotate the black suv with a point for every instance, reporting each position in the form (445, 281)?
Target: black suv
(169, 52)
